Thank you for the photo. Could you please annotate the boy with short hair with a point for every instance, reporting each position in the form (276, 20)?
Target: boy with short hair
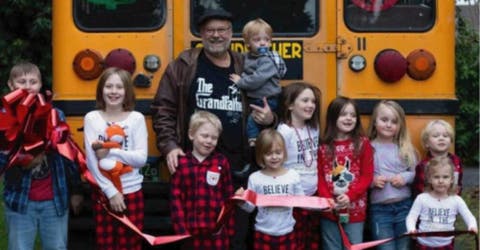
(200, 187)
(263, 70)
(36, 195)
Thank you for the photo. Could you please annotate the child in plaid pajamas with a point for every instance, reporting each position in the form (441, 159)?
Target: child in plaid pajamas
(437, 137)
(115, 103)
(263, 70)
(273, 225)
(200, 187)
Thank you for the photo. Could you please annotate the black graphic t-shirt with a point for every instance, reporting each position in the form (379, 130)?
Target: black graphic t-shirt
(212, 90)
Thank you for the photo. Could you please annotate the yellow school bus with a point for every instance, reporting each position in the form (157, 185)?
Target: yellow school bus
(365, 49)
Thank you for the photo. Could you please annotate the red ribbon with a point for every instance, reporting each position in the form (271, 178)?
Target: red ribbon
(366, 245)
(283, 201)
(30, 125)
(248, 195)
(23, 126)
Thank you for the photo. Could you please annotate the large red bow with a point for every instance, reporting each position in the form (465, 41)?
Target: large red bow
(30, 126)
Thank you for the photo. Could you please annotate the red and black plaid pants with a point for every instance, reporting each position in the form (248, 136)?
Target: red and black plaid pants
(112, 234)
(267, 242)
(307, 229)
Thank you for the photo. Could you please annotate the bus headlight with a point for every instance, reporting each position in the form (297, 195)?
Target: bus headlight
(390, 65)
(88, 64)
(357, 63)
(421, 64)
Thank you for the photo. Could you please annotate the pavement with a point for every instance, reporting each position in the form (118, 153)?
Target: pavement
(471, 176)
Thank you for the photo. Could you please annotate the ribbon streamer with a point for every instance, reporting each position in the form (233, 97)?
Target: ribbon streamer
(250, 196)
(366, 245)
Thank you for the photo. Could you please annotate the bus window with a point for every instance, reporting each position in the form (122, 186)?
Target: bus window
(119, 15)
(287, 17)
(389, 15)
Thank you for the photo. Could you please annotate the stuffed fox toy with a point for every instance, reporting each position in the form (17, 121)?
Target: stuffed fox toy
(109, 166)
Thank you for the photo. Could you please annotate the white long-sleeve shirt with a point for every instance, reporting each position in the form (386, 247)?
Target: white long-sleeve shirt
(134, 150)
(274, 221)
(302, 151)
(438, 215)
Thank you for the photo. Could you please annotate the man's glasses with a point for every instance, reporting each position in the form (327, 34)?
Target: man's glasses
(220, 31)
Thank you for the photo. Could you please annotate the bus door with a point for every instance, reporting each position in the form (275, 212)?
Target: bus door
(401, 50)
(91, 35)
(303, 34)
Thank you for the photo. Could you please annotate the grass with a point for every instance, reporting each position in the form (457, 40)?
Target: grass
(470, 196)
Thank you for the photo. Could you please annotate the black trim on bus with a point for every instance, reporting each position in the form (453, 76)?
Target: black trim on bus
(415, 106)
(411, 106)
(81, 107)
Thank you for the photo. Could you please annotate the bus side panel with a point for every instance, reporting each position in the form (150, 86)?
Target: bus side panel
(68, 40)
(418, 98)
(439, 41)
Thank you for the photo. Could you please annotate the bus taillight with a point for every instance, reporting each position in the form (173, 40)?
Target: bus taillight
(121, 58)
(88, 64)
(421, 64)
(390, 65)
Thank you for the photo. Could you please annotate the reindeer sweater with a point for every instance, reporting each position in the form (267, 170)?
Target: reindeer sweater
(346, 172)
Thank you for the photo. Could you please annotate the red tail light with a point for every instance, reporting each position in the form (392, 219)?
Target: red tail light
(390, 65)
(121, 58)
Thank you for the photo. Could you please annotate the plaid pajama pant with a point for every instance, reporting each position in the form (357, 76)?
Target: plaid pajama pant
(112, 234)
(267, 242)
(307, 229)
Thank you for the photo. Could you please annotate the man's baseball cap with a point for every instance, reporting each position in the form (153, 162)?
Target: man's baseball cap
(210, 14)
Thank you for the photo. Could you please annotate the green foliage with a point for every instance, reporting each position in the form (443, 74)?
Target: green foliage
(467, 71)
(25, 35)
(470, 196)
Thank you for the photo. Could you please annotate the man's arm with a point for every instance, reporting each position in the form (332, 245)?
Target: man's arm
(164, 118)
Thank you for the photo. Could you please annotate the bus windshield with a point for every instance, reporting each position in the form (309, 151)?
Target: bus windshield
(287, 17)
(389, 15)
(119, 15)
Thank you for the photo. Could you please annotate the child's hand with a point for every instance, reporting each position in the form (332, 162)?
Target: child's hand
(239, 191)
(234, 78)
(76, 203)
(379, 181)
(100, 152)
(37, 160)
(414, 231)
(97, 145)
(117, 204)
(397, 181)
(343, 201)
(332, 204)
